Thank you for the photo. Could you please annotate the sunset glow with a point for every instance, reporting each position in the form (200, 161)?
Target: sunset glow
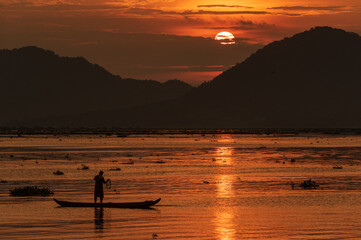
(115, 33)
(180, 119)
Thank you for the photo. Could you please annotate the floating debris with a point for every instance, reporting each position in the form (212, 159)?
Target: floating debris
(115, 169)
(337, 167)
(83, 167)
(154, 235)
(31, 191)
(205, 182)
(58, 173)
(130, 161)
(160, 161)
(122, 135)
(309, 184)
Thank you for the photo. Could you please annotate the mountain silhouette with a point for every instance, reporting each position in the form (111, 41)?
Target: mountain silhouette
(35, 83)
(312, 79)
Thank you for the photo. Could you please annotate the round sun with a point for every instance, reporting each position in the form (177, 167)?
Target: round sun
(225, 38)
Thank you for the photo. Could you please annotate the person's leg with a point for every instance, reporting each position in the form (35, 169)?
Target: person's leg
(101, 200)
(95, 198)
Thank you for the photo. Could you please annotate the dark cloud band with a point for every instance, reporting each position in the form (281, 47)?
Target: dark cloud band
(308, 8)
(222, 5)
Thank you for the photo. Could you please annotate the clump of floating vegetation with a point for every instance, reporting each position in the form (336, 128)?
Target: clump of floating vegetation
(83, 167)
(115, 169)
(58, 173)
(130, 161)
(31, 191)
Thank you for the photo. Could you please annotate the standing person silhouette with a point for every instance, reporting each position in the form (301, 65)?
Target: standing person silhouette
(98, 190)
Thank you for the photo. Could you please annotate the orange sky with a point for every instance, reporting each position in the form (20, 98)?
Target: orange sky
(167, 39)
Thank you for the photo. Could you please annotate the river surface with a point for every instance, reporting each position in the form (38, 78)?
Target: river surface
(221, 187)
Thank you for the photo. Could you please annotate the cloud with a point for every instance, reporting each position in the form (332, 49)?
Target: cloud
(18, 3)
(22, 5)
(308, 8)
(223, 12)
(173, 69)
(222, 5)
(248, 25)
(239, 25)
(151, 11)
(85, 43)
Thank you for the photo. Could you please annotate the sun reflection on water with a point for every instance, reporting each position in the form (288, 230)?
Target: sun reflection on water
(225, 229)
(224, 155)
(224, 216)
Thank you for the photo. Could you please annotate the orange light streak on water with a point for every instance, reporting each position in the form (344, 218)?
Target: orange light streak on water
(224, 217)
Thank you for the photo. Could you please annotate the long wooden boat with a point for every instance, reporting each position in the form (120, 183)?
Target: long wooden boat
(145, 204)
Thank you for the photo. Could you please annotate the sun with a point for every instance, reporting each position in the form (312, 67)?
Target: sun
(225, 38)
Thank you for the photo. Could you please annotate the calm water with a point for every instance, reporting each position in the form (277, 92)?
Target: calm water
(221, 187)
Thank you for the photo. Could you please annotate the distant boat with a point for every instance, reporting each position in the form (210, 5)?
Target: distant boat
(145, 204)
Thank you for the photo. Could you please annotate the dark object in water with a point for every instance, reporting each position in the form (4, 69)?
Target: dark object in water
(3, 181)
(309, 184)
(31, 191)
(160, 161)
(130, 161)
(122, 135)
(58, 173)
(115, 169)
(145, 204)
(83, 167)
(337, 167)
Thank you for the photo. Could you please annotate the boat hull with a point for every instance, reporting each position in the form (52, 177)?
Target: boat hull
(145, 204)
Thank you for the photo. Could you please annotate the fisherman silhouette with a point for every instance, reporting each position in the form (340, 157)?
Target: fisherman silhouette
(98, 190)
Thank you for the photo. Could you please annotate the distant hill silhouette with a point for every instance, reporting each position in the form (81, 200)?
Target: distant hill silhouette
(36, 83)
(312, 79)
